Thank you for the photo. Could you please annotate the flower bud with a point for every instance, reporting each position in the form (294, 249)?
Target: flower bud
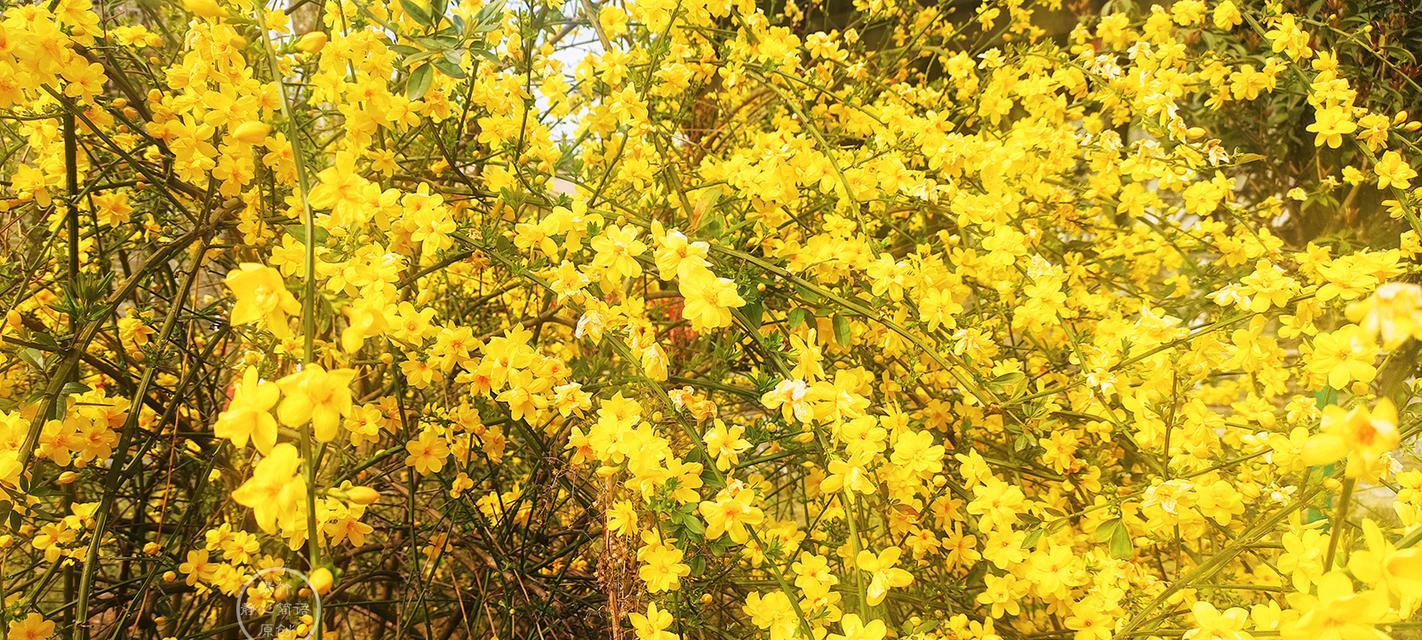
(204, 8)
(321, 580)
(312, 42)
(363, 495)
(252, 132)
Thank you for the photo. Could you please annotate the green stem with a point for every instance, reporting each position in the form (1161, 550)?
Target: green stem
(1338, 517)
(71, 214)
(850, 517)
(308, 295)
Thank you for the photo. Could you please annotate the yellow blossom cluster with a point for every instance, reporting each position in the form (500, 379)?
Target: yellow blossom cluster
(654, 319)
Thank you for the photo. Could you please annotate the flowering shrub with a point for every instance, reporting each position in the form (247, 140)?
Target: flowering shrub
(709, 319)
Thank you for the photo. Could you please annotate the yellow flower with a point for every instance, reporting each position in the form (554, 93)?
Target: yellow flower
(813, 576)
(262, 297)
(998, 503)
(85, 81)
(613, 20)
(617, 250)
(653, 625)
(10, 471)
(731, 513)
(1302, 559)
(773, 612)
(1361, 435)
(32, 627)
(850, 475)
(1213, 624)
(725, 444)
(317, 396)
(791, 397)
(676, 253)
(249, 414)
(112, 209)
(1394, 172)
(344, 524)
(1089, 620)
(1343, 356)
(883, 574)
(1289, 39)
(622, 518)
(1003, 594)
(662, 568)
(344, 192)
(852, 628)
(427, 453)
(1226, 16)
(1337, 612)
(709, 299)
(938, 307)
(1387, 568)
(1330, 125)
(1393, 313)
(276, 492)
(197, 568)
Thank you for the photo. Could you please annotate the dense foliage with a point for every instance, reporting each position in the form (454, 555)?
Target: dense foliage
(670, 319)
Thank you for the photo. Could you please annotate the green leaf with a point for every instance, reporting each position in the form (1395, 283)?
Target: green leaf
(1116, 537)
(710, 479)
(1105, 530)
(299, 232)
(419, 13)
(438, 43)
(1325, 396)
(841, 331)
(693, 524)
(419, 82)
(449, 68)
(1009, 378)
(46, 340)
(1013, 384)
(755, 313)
(484, 53)
(488, 18)
(976, 574)
(800, 317)
(412, 60)
(1121, 546)
(32, 357)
